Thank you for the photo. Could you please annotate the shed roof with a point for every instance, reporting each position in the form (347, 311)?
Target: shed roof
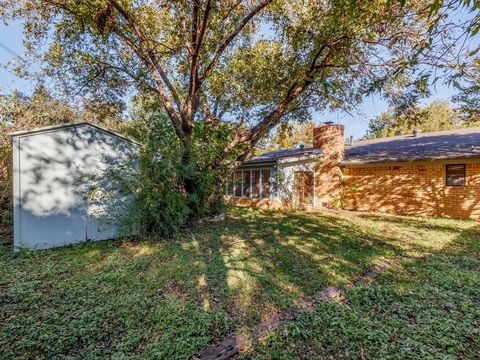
(70, 125)
(441, 145)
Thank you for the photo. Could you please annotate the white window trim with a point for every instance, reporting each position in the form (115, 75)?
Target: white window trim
(260, 180)
(251, 184)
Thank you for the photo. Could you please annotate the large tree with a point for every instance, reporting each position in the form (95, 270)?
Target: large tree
(468, 97)
(287, 136)
(245, 65)
(204, 59)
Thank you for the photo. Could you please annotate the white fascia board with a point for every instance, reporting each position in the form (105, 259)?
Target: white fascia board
(299, 159)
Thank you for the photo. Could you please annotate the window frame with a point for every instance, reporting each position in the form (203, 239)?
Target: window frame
(239, 183)
(251, 184)
(464, 175)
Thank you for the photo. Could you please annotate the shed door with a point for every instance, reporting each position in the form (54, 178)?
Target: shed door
(303, 188)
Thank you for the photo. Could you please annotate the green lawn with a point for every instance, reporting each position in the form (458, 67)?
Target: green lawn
(151, 299)
(430, 309)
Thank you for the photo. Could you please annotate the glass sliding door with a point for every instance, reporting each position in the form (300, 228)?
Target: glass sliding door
(265, 184)
(238, 184)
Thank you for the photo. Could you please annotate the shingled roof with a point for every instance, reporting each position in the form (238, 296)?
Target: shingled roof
(441, 145)
(450, 144)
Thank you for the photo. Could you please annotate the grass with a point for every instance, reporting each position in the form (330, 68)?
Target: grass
(428, 310)
(152, 299)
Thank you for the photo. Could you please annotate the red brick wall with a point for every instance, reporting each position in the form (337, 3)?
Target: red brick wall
(413, 188)
(263, 204)
(405, 188)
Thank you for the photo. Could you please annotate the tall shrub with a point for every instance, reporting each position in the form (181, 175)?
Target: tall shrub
(150, 195)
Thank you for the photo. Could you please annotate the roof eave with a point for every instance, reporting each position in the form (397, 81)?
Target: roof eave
(307, 155)
(69, 125)
(382, 162)
(259, 163)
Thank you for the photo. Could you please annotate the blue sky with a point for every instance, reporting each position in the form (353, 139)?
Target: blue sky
(355, 124)
(11, 36)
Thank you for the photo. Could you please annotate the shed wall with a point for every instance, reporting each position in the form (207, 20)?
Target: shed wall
(51, 173)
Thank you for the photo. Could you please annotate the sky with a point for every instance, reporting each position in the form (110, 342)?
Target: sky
(356, 123)
(11, 36)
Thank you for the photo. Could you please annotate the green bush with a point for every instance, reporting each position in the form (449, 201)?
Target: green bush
(6, 221)
(158, 192)
(6, 211)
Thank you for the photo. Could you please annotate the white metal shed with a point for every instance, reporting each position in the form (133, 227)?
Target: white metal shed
(51, 166)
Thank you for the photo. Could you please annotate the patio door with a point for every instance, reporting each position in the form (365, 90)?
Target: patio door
(303, 188)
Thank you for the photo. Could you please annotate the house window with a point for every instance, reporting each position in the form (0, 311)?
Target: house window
(250, 183)
(246, 184)
(456, 175)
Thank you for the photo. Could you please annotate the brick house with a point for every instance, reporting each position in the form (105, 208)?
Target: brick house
(436, 174)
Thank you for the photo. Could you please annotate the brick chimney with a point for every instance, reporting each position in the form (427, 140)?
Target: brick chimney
(328, 137)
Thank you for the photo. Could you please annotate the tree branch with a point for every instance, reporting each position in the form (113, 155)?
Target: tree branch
(228, 40)
(268, 122)
(199, 28)
(148, 58)
(203, 27)
(176, 125)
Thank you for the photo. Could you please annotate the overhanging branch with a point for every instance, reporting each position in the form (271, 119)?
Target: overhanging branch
(229, 39)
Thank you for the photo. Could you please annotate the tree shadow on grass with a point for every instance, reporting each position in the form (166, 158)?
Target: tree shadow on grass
(273, 259)
(425, 222)
(144, 298)
(427, 308)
